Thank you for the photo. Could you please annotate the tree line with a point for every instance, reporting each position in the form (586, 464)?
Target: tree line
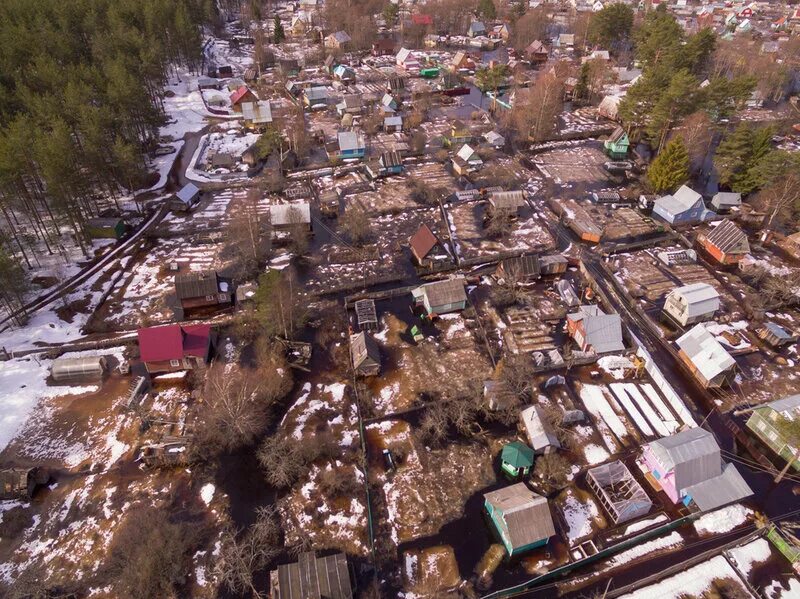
(80, 103)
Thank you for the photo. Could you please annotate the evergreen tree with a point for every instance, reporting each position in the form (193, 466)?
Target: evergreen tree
(278, 33)
(487, 10)
(679, 100)
(670, 168)
(581, 91)
(390, 12)
(611, 27)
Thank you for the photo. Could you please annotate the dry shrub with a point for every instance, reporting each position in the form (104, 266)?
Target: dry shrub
(151, 554)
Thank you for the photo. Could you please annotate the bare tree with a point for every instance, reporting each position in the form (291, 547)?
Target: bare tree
(778, 201)
(248, 233)
(695, 130)
(355, 224)
(536, 108)
(242, 555)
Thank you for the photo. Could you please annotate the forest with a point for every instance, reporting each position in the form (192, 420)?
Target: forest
(80, 105)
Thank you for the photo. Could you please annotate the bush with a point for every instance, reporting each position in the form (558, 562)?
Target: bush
(151, 554)
(14, 522)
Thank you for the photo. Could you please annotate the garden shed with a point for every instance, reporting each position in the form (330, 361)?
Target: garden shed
(621, 495)
(70, 370)
(365, 354)
(516, 460)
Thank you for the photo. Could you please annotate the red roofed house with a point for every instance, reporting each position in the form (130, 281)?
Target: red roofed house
(174, 347)
(422, 243)
(420, 19)
(240, 96)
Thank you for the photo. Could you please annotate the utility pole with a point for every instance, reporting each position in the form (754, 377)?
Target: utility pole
(789, 463)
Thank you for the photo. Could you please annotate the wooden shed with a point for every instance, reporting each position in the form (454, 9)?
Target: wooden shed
(105, 228)
(365, 355)
(726, 243)
(312, 577)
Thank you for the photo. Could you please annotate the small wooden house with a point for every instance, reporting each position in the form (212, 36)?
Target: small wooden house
(351, 145)
(312, 577)
(521, 518)
(539, 431)
(595, 331)
(459, 134)
(339, 40)
(287, 216)
(462, 61)
(616, 146)
(203, 289)
(441, 297)
(257, 115)
(365, 355)
(726, 243)
(536, 53)
(423, 243)
(691, 304)
(315, 98)
(383, 46)
(775, 335)
(466, 160)
(522, 269)
(766, 421)
(240, 96)
(705, 357)
(350, 104)
(344, 74)
(185, 199)
(393, 123)
(408, 60)
(105, 228)
(174, 347)
(553, 264)
(516, 460)
(684, 207)
(476, 29)
(725, 201)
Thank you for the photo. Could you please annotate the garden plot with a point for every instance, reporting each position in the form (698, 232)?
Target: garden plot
(598, 401)
(466, 222)
(435, 128)
(575, 164)
(646, 409)
(324, 121)
(426, 368)
(701, 580)
(432, 173)
(329, 516)
(583, 120)
(389, 197)
(759, 556)
(431, 570)
(390, 232)
(141, 294)
(763, 378)
(228, 145)
(581, 515)
(417, 503)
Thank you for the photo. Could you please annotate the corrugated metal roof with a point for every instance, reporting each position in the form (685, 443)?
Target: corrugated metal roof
(526, 515)
(729, 238)
(313, 578)
(725, 199)
(705, 352)
(511, 200)
(540, 432)
(728, 487)
(258, 112)
(692, 454)
(700, 298)
(188, 193)
(787, 404)
(316, 93)
(602, 331)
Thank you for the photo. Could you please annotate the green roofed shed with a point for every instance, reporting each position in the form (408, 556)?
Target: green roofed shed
(516, 459)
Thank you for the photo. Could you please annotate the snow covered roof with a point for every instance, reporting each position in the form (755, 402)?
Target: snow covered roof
(466, 153)
(705, 352)
(406, 55)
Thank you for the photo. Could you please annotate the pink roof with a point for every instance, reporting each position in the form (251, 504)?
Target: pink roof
(173, 342)
(419, 19)
(237, 96)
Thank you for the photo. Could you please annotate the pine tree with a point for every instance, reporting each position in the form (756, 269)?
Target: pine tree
(487, 10)
(581, 91)
(670, 168)
(278, 32)
(611, 27)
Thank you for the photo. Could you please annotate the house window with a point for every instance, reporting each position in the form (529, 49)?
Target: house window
(210, 298)
(223, 297)
(762, 425)
(772, 436)
(175, 363)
